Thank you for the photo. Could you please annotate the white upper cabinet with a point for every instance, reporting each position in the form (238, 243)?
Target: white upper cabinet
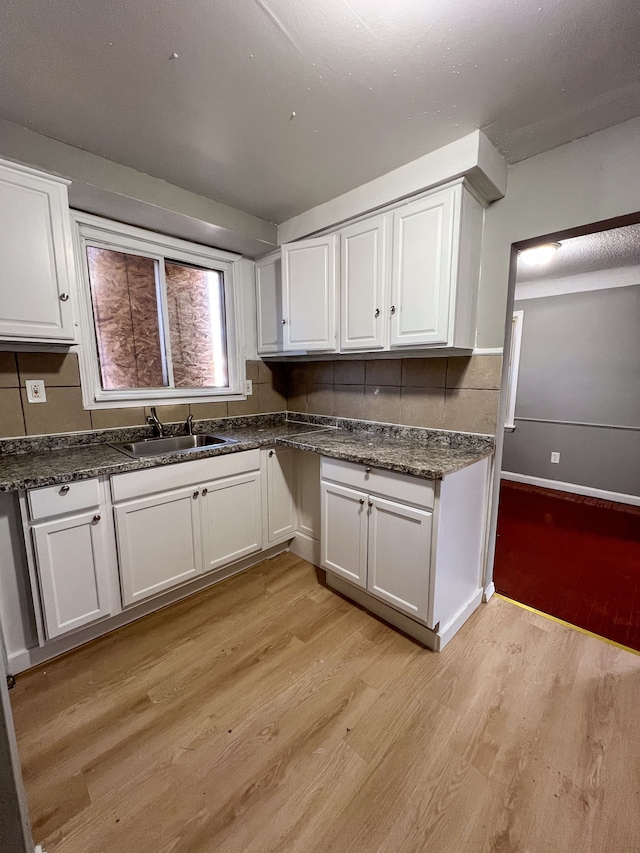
(364, 276)
(36, 273)
(269, 304)
(408, 279)
(436, 264)
(309, 294)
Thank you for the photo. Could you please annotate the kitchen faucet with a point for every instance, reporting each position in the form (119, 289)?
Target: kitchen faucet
(153, 420)
(188, 426)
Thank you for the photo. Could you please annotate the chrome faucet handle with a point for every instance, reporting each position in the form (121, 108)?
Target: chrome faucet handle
(188, 425)
(154, 421)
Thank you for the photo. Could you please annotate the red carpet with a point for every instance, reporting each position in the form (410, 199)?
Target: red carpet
(572, 557)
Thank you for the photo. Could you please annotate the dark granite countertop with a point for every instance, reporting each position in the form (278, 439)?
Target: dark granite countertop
(429, 454)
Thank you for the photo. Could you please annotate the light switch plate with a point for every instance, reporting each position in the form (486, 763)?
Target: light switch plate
(248, 387)
(35, 391)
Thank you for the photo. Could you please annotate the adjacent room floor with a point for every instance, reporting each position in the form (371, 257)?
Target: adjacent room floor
(573, 557)
(268, 714)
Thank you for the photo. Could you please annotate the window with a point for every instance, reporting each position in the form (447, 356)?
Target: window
(158, 317)
(514, 366)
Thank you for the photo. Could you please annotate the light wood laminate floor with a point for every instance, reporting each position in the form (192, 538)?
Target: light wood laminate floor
(268, 714)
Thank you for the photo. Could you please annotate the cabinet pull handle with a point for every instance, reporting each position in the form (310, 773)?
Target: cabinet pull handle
(64, 490)
(377, 313)
(393, 309)
(204, 492)
(361, 501)
(195, 494)
(96, 518)
(271, 452)
(64, 297)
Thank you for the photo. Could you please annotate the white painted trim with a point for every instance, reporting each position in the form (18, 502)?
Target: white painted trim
(581, 283)
(446, 633)
(514, 368)
(472, 156)
(573, 488)
(487, 351)
(489, 592)
(306, 547)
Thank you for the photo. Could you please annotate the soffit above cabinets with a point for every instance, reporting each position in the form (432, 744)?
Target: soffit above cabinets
(275, 106)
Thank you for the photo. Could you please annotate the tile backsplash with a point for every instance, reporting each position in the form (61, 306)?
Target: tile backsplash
(63, 411)
(457, 393)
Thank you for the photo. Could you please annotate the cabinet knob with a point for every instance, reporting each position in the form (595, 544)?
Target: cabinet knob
(377, 312)
(195, 494)
(271, 452)
(370, 504)
(283, 321)
(96, 518)
(367, 470)
(393, 309)
(64, 297)
(205, 491)
(361, 501)
(64, 490)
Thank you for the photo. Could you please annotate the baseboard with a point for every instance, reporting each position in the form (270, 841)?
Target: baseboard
(489, 591)
(447, 632)
(306, 548)
(587, 491)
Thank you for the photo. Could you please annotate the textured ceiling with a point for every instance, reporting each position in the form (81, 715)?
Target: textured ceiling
(373, 84)
(605, 250)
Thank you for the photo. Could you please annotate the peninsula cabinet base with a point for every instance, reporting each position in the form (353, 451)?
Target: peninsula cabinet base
(435, 640)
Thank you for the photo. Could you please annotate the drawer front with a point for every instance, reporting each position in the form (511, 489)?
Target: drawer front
(151, 480)
(399, 487)
(63, 498)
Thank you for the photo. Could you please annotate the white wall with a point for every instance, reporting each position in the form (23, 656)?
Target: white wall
(585, 181)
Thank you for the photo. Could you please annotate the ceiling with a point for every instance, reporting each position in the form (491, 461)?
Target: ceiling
(274, 106)
(605, 250)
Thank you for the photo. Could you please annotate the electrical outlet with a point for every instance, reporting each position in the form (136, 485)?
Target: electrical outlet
(248, 387)
(35, 391)
(555, 456)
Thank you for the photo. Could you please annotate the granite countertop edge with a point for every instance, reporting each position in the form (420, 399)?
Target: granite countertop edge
(386, 451)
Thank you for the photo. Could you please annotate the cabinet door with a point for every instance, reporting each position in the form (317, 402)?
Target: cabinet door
(309, 285)
(343, 541)
(36, 271)
(269, 304)
(399, 556)
(423, 255)
(231, 519)
(364, 275)
(159, 543)
(281, 509)
(72, 563)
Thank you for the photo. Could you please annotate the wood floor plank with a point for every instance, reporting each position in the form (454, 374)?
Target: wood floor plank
(269, 715)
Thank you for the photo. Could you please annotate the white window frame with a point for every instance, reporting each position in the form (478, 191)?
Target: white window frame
(89, 230)
(514, 368)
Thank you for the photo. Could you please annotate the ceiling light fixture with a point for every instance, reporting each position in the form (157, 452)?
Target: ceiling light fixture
(538, 256)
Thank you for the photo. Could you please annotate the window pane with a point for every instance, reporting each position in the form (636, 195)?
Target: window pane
(125, 310)
(195, 305)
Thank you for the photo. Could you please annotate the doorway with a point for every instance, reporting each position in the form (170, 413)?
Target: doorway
(568, 534)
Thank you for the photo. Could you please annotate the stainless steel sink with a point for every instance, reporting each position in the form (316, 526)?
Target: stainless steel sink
(158, 446)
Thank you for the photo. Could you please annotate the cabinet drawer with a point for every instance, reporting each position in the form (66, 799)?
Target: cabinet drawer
(63, 498)
(400, 487)
(164, 477)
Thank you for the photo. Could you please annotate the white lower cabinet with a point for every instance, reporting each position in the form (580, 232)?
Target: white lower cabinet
(399, 555)
(281, 515)
(379, 545)
(72, 564)
(159, 542)
(231, 519)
